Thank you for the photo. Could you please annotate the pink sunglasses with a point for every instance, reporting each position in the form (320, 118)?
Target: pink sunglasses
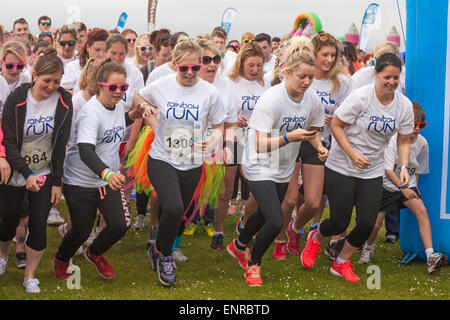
(185, 68)
(9, 66)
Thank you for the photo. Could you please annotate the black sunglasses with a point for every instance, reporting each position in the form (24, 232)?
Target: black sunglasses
(207, 59)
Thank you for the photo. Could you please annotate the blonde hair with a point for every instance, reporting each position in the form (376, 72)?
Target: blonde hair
(67, 28)
(300, 50)
(207, 44)
(88, 76)
(247, 36)
(16, 48)
(386, 47)
(247, 51)
(185, 47)
(139, 61)
(105, 69)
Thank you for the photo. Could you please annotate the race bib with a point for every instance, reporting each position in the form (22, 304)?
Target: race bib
(37, 157)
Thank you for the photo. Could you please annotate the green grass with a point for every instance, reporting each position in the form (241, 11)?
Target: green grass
(215, 275)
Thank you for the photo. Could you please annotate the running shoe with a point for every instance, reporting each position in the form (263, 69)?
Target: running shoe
(21, 260)
(232, 208)
(166, 270)
(153, 256)
(152, 235)
(293, 244)
(253, 275)
(209, 229)
(100, 263)
(242, 256)
(239, 226)
(3, 263)
(243, 207)
(190, 230)
(60, 268)
(390, 238)
(217, 242)
(279, 250)
(54, 218)
(32, 286)
(179, 256)
(140, 223)
(335, 248)
(94, 233)
(344, 270)
(435, 262)
(366, 255)
(309, 254)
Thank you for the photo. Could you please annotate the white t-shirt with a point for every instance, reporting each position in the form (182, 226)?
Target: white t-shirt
(268, 66)
(366, 76)
(184, 114)
(242, 96)
(37, 137)
(159, 72)
(4, 93)
(331, 102)
(418, 162)
(67, 61)
(71, 76)
(370, 128)
(101, 127)
(78, 101)
(228, 60)
(24, 77)
(278, 114)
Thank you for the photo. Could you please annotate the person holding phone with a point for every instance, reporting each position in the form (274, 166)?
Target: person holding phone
(36, 124)
(277, 129)
(362, 127)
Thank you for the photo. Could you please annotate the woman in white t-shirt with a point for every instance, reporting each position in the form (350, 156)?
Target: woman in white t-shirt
(143, 51)
(395, 197)
(36, 125)
(185, 105)
(67, 37)
(93, 48)
(92, 180)
(362, 127)
(332, 85)
(277, 129)
(245, 85)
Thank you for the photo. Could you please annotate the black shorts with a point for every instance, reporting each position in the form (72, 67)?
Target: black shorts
(394, 200)
(309, 155)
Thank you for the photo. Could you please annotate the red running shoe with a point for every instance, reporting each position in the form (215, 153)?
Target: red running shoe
(100, 263)
(279, 250)
(345, 271)
(310, 252)
(253, 276)
(293, 244)
(242, 256)
(60, 268)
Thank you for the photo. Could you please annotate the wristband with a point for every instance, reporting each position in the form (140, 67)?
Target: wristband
(108, 176)
(405, 167)
(105, 173)
(286, 139)
(30, 176)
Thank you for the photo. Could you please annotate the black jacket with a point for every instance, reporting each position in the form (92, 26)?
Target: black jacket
(13, 122)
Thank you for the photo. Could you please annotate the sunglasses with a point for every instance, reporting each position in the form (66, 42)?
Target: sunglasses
(420, 125)
(145, 48)
(248, 40)
(71, 43)
(185, 68)
(9, 66)
(164, 37)
(207, 60)
(48, 24)
(114, 86)
(131, 40)
(326, 37)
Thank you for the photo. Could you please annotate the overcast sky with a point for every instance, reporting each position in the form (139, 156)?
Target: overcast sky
(201, 16)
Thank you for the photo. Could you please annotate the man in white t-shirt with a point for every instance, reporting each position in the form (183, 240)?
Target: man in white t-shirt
(265, 43)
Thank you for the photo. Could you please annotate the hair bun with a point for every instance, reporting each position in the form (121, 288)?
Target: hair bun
(48, 51)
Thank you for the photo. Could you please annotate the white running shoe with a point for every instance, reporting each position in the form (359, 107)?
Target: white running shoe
(3, 263)
(140, 223)
(92, 236)
(54, 217)
(32, 286)
(366, 255)
(62, 230)
(179, 256)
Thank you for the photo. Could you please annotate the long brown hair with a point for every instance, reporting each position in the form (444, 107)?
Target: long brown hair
(48, 62)
(93, 36)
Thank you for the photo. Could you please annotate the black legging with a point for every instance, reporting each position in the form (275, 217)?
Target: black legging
(83, 204)
(175, 190)
(142, 203)
(344, 193)
(39, 207)
(268, 220)
(245, 192)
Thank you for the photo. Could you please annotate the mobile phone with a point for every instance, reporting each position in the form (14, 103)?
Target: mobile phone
(43, 178)
(314, 128)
